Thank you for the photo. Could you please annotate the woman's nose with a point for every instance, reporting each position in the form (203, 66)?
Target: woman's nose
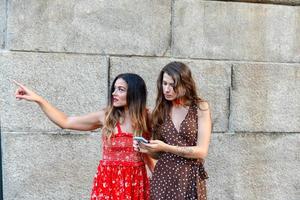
(167, 89)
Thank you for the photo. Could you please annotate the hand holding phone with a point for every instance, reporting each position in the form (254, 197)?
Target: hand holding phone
(141, 139)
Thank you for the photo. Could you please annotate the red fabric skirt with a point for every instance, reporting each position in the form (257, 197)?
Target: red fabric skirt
(120, 180)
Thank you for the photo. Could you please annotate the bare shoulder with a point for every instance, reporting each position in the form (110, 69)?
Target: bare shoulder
(203, 105)
(97, 116)
(101, 115)
(203, 109)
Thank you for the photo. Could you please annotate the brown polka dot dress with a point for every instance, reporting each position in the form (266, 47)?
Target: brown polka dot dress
(175, 177)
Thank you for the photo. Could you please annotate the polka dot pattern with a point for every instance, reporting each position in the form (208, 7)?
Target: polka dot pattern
(175, 177)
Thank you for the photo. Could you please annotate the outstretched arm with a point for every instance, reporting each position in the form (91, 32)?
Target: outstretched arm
(86, 122)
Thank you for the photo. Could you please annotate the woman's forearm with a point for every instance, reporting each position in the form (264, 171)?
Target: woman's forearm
(55, 115)
(187, 151)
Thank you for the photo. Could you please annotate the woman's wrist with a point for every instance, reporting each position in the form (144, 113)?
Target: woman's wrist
(167, 148)
(39, 100)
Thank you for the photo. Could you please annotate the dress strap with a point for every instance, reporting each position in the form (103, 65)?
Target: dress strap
(119, 127)
(194, 108)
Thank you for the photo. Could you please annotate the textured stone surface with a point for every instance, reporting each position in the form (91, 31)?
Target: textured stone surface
(212, 79)
(285, 2)
(236, 31)
(42, 162)
(75, 84)
(114, 27)
(49, 166)
(2, 22)
(254, 166)
(266, 98)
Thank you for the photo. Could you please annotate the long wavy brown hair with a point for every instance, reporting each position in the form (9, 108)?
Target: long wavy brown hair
(136, 102)
(184, 87)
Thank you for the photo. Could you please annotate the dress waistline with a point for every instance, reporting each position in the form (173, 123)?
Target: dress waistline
(122, 163)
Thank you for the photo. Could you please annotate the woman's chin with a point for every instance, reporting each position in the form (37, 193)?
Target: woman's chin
(117, 105)
(169, 98)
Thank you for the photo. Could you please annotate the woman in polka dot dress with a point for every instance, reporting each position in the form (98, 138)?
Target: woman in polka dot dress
(121, 174)
(182, 129)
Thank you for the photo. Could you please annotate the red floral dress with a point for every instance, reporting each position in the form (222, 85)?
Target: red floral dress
(121, 174)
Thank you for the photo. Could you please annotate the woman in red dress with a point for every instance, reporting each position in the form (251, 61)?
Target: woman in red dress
(121, 174)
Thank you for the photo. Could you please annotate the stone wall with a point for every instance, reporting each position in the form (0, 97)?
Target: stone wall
(244, 55)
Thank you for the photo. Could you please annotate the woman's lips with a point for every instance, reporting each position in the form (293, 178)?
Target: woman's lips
(115, 100)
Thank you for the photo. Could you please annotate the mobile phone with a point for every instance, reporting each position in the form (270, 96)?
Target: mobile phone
(141, 139)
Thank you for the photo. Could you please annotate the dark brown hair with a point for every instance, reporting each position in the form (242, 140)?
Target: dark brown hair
(136, 102)
(184, 87)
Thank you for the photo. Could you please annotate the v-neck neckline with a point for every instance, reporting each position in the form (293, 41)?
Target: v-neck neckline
(173, 124)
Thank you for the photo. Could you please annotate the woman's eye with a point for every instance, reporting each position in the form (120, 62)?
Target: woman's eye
(122, 89)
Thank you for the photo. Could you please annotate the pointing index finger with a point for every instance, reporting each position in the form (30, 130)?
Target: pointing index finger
(17, 83)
